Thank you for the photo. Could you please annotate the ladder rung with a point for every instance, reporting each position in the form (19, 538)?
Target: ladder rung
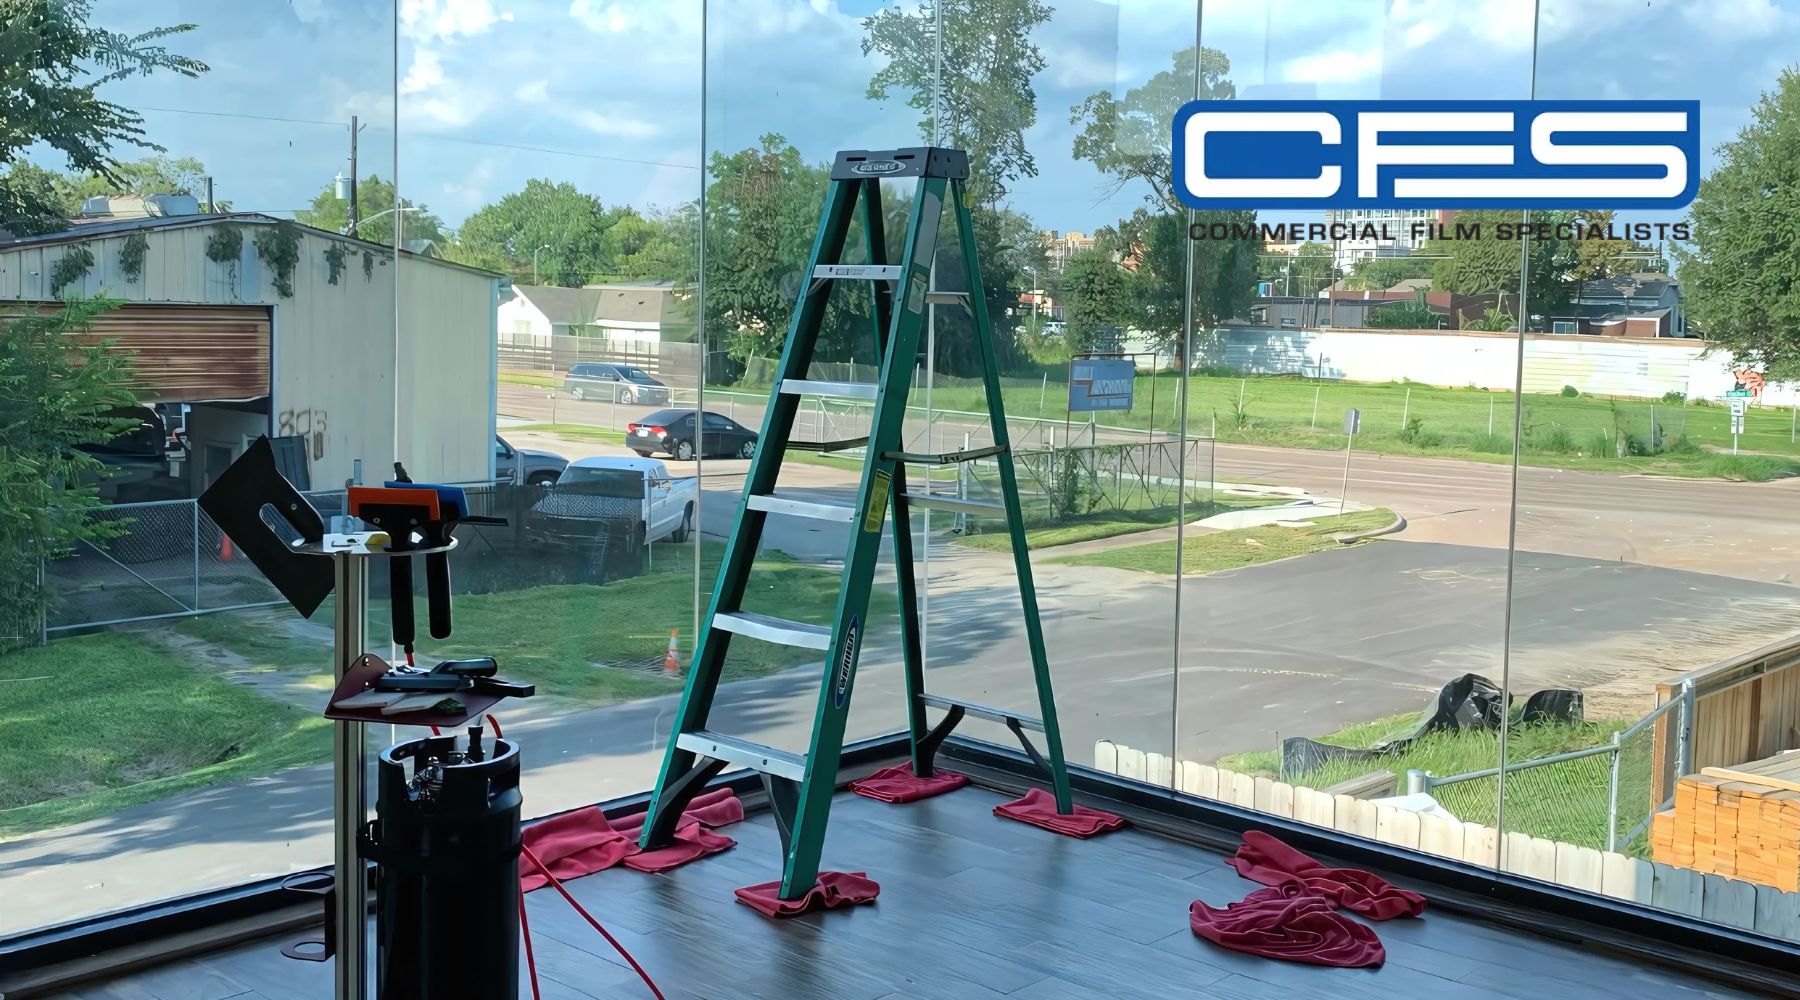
(947, 298)
(948, 458)
(982, 711)
(809, 387)
(957, 505)
(823, 510)
(868, 272)
(828, 446)
(771, 629)
(744, 753)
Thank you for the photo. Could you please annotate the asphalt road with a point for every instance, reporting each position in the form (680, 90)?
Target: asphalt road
(1296, 647)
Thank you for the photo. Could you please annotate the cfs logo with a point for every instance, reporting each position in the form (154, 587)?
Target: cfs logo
(1437, 154)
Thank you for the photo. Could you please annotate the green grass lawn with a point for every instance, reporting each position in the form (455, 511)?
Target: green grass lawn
(523, 378)
(99, 722)
(1581, 432)
(1041, 532)
(1213, 551)
(574, 432)
(1565, 802)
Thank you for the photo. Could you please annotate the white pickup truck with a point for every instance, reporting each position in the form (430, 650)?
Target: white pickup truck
(607, 495)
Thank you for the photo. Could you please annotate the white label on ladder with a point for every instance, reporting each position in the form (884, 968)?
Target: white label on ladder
(915, 293)
(840, 692)
(878, 495)
(873, 272)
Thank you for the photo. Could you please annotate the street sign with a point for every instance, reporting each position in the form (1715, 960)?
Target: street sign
(1738, 405)
(1737, 393)
(1352, 421)
(1101, 384)
(1737, 423)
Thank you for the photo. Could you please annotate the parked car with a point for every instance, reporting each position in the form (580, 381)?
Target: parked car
(618, 383)
(524, 465)
(614, 496)
(673, 432)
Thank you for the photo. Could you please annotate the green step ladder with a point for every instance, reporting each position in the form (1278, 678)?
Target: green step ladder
(800, 788)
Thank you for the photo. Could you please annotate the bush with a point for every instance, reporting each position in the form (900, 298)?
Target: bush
(1554, 440)
(1674, 397)
(1492, 444)
(1216, 371)
(1570, 392)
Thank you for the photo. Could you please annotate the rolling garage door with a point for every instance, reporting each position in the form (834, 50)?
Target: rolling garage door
(191, 352)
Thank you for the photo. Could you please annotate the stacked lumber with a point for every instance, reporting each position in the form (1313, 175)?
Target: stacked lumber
(1742, 822)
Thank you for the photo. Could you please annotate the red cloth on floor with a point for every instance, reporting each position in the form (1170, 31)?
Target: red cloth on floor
(584, 841)
(832, 889)
(1264, 859)
(1289, 923)
(572, 845)
(899, 784)
(693, 841)
(1038, 808)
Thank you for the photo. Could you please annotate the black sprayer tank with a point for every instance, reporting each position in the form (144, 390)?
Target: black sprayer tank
(447, 842)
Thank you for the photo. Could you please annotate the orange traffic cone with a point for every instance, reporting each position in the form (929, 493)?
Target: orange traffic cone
(671, 665)
(226, 554)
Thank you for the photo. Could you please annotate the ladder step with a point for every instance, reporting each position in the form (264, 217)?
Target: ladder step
(828, 446)
(771, 629)
(869, 272)
(948, 458)
(744, 753)
(999, 715)
(823, 510)
(956, 505)
(947, 298)
(810, 387)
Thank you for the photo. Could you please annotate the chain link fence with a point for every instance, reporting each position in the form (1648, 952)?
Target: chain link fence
(1600, 797)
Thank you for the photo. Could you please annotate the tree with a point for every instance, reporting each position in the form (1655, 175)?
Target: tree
(552, 228)
(978, 97)
(1128, 139)
(1304, 272)
(1097, 297)
(50, 78)
(1741, 272)
(1376, 274)
(148, 176)
(53, 400)
(1489, 265)
(374, 197)
(1412, 314)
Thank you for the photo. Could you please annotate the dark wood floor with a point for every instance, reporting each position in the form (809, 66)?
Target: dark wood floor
(972, 906)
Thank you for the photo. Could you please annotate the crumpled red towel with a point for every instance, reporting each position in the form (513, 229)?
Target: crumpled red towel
(832, 889)
(1289, 923)
(899, 784)
(585, 841)
(1264, 859)
(1038, 808)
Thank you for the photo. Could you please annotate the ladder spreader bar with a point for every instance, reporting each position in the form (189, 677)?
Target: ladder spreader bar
(810, 387)
(822, 510)
(768, 628)
(982, 711)
(744, 753)
(948, 458)
(867, 272)
(956, 505)
(828, 446)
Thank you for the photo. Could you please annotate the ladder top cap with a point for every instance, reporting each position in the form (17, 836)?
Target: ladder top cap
(913, 161)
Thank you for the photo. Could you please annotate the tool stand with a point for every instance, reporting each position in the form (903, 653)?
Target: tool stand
(350, 555)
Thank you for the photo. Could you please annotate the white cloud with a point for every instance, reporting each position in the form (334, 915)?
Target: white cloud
(426, 20)
(535, 92)
(1334, 66)
(614, 125)
(426, 72)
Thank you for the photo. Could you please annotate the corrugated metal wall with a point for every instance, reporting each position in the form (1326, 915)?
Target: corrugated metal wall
(333, 360)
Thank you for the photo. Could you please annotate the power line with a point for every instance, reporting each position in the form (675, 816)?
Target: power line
(427, 135)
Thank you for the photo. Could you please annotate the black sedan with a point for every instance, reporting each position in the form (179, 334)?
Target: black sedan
(674, 432)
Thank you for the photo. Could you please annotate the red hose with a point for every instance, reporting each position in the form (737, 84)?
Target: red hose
(595, 924)
(530, 959)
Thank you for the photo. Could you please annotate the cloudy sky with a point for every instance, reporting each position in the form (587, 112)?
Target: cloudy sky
(608, 94)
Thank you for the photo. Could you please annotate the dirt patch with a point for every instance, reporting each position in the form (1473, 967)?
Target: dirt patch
(231, 666)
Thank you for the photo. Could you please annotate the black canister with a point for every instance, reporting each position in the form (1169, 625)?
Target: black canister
(446, 842)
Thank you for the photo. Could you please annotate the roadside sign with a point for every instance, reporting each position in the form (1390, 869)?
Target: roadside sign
(1101, 384)
(1737, 393)
(1738, 405)
(1352, 421)
(1737, 423)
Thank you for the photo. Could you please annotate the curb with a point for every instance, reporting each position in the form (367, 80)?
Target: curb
(1399, 525)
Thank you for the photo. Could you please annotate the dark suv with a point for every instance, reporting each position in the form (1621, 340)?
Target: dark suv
(618, 383)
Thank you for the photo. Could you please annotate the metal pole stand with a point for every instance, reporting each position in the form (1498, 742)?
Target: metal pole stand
(350, 555)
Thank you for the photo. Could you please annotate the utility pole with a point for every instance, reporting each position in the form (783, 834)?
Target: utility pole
(350, 229)
(209, 196)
